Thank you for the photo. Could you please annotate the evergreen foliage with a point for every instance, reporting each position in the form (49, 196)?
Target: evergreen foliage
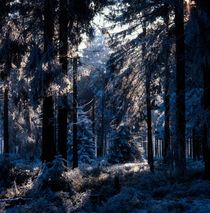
(121, 147)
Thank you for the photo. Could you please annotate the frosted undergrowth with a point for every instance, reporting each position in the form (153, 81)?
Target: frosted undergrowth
(102, 187)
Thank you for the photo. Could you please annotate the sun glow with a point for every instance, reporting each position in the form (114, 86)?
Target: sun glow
(188, 2)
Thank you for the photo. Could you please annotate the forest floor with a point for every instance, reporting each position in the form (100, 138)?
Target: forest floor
(101, 188)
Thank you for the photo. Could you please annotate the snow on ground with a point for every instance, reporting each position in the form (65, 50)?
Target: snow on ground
(102, 187)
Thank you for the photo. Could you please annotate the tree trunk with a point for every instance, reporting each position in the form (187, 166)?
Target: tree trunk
(204, 40)
(148, 105)
(180, 160)
(105, 145)
(149, 121)
(62, 108)
(100, 140)
(8, 65)
(6, 119)
(93, 118)
(195, 146)
(206, 152)
(48, 137)
(48, 130)
(167, 98)
(203, 4)
(156, 147)
(206, 106)
(198, 148)
(75, 142)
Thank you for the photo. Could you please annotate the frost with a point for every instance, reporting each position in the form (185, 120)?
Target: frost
(102, 187)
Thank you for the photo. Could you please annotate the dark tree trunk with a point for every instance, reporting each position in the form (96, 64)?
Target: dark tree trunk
(62, 130)
(203, 4)
(93, 118)
(149, 121)
(167, 122)
(48, 137)
(204, 40)
(75, 141)
(167, 98)
(194, 143)
(206, 105)
(105, 145)
(8, 64)
(148, 105)
(199, 149)
(156, 147)
(191, 147)
(180, 160)
(100, 140)
(62, 109)
(48, 130)
(6, 119)
(102, 124)
(206, 152)
(93, 123)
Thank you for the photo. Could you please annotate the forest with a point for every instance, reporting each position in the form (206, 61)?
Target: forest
(104, 106)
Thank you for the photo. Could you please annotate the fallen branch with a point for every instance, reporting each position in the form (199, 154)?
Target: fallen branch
(16, 201)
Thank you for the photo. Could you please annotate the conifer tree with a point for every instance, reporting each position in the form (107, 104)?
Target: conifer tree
(63, 50)
(180, 161)
(48, 129)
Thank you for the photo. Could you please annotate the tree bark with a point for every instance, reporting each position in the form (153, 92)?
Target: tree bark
(48, 137)
(100, 140)
(8, 64)
(93, 118)
(149, 121)
(6, 119)
(167, 97)
(48, 130)
(62, 108)
(75, 141)
(180, 160)
(148, 105)
(204, 40)
(156, 147)
(191, 147)
(194, 142)
(206, 106)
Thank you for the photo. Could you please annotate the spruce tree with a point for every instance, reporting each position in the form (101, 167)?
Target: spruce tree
(48, 129)
(180, 161)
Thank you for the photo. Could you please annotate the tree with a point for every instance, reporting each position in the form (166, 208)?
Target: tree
(75, 141)
(62, 111)
(206, 96)
(7, 60)
(13, 51)
(48, 130)
(166, 91)
(92, 88)
(101, 117)
(148, 106)
(6, 98)
(150, 41)
(121, 149)
(86, 143)
(180, 161)
(82, 13)
(206, 82)
(4, 11)
(206, 106)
